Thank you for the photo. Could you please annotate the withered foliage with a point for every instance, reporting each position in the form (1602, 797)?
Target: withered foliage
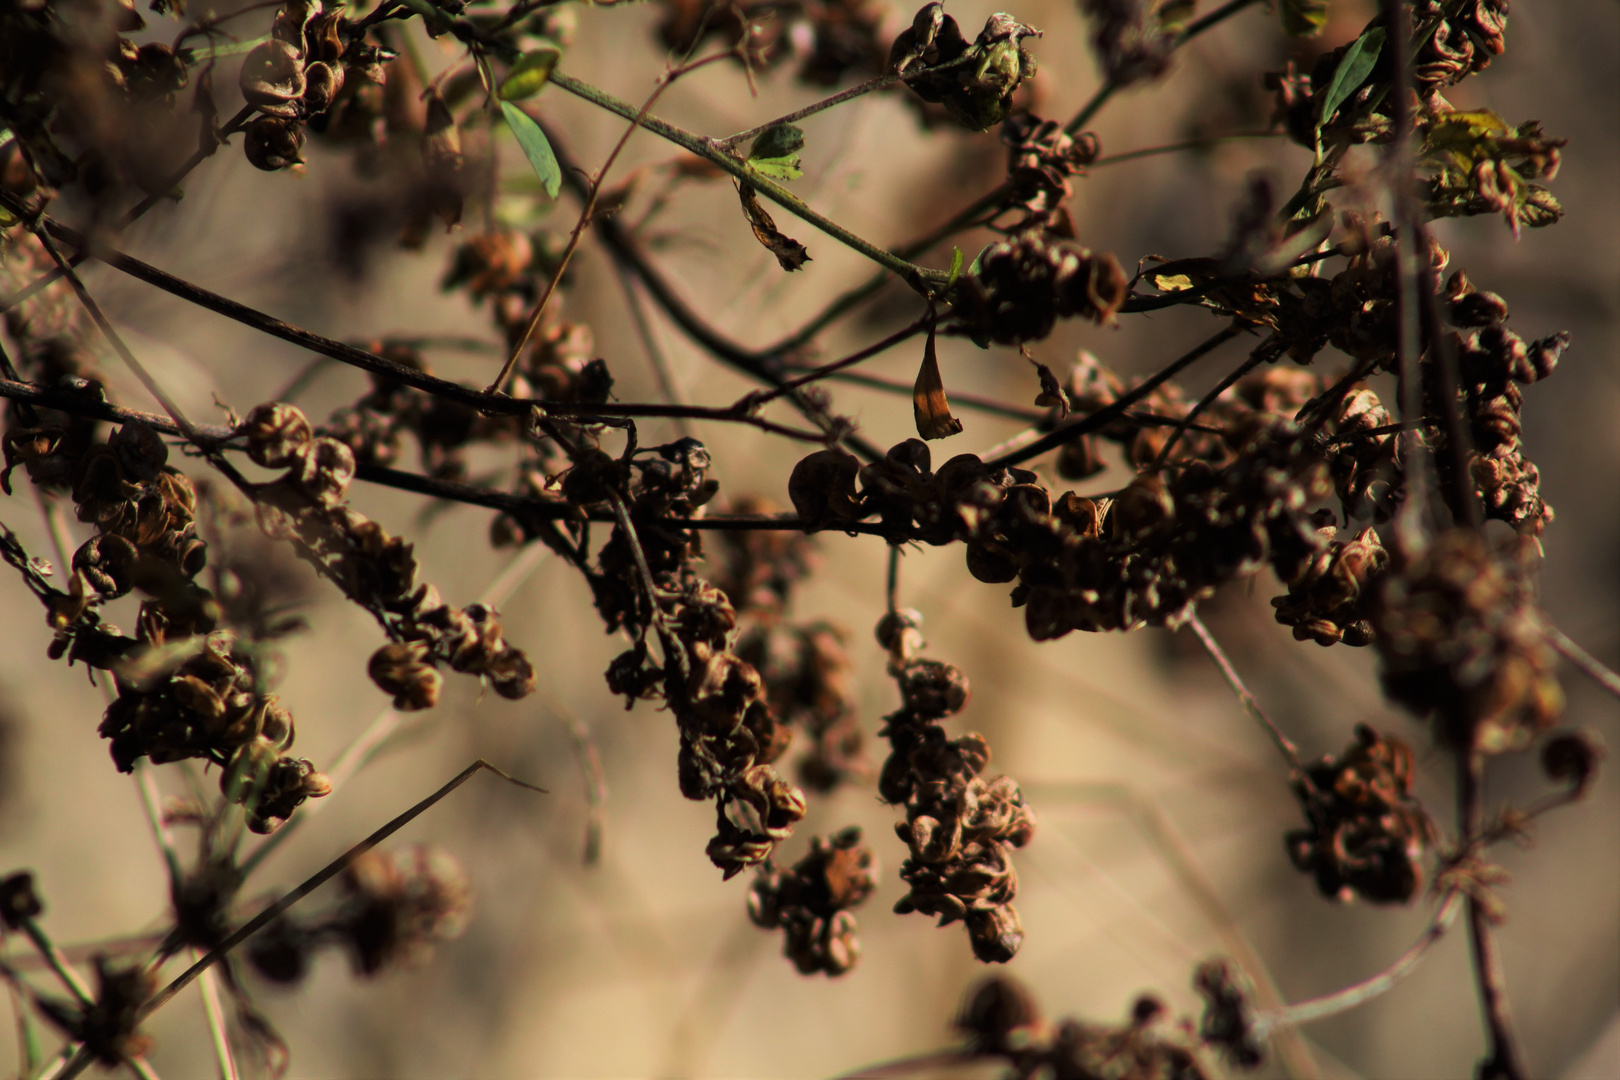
(1364, 465)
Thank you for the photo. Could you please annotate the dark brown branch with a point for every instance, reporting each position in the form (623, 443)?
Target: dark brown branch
(1103, 417)
(1504, 1062)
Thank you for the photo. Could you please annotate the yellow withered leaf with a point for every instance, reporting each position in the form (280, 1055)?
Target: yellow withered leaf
(928, 404)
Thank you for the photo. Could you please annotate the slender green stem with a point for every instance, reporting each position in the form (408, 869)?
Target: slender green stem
(917, 277)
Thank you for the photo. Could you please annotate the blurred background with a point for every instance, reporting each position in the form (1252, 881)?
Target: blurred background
(1147, 778)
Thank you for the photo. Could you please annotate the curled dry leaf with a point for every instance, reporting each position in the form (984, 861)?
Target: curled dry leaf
(788, 251)
(928, 405)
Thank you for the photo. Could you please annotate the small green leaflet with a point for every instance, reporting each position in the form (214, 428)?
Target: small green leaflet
(776, 153)
(530, 74)
(535, 147)
(956, 266)
(1353, 70)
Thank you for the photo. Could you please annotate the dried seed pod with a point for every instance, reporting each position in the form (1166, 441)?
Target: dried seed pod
(18, 900)
(1572, 757)
(273, 143)
(273, 79)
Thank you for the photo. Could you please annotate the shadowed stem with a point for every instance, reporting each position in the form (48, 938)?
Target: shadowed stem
(589, 209)
(1350, 997)
(1504, 1062)
(1111, 86)
(1103, 417)
(1589, 664)
(83, 1058)
(1286, 745)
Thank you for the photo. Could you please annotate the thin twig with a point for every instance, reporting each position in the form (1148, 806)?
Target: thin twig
(1177, 147)
(1103, 417)
(1263, 353)
(1504, 1062)
(1350, 997)
(1286, 745)
(217, 1031)
(1111, 86)
(585, 214)
(1589, 664)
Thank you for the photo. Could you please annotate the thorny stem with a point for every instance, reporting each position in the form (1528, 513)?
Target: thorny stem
(1504, 1062)
(1103, 417)
(1289, 750)
(1589, 664)
(1350, 997)
(586, 213)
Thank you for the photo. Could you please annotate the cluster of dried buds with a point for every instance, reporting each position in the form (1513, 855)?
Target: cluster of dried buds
(299, 74)
(375, 570)
(1331, 599)
(643, 583)
(375, 425)
(1019, 287)
(1000, 1019)
(978, 79)
(88, 105)
(394, 907)
(1041, 157)
(831, 40)
(1462, 641)
(960, 828)
(1493, 361)
(106, 1024)
(1128, 39)
(806, 668)
(811, 902)
(1367, 833)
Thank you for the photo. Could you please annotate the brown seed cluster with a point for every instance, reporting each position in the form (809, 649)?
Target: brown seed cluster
(811, 902)
(1461, 641)
(1041, 158)
(1367, 833)
(832, 40)
(1000, 1019)
(806, 668)
(1129, 42)
(107, 1025)
(1021, 286)
(394, 907)
(1494, 362)
(1331, 599)
(375, 570)
(959, 827)
(299, 74)
(978, 86)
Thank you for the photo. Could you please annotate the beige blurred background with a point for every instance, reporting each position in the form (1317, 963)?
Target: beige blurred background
(646, 965)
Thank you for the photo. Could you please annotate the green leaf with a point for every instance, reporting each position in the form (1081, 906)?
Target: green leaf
(776, 153)
(535, 147)
(1303, 18)
(1356, 64)
(956, 266)
(779, 141)
(530, 74)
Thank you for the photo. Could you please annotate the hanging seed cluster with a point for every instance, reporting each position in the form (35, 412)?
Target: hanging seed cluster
(394, 906)
(811, 902)
(1367, 833)
(960, 828)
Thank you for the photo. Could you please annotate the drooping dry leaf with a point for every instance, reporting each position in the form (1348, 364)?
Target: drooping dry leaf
(1051, 395)
(788, 251)
(928, 404)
